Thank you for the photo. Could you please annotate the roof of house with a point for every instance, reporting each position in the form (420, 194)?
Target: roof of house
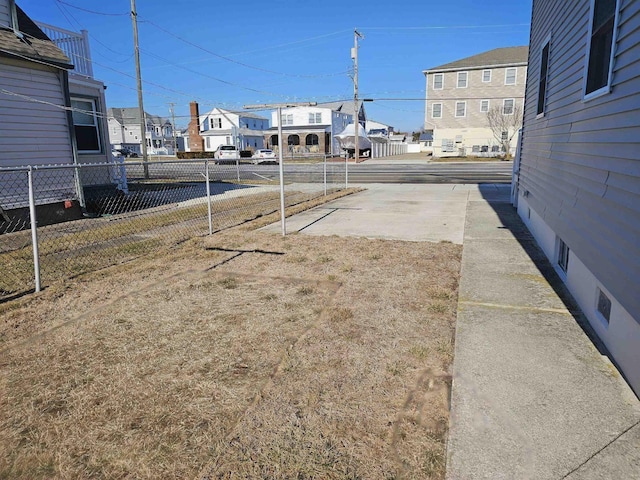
(497, 56)
(426, 136)
(397, 137)
(343, 106)
(34, 44)
(130, 116)
(240, 113)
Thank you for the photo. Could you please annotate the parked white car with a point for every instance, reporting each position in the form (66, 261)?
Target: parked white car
(264, 155)
(226, 152)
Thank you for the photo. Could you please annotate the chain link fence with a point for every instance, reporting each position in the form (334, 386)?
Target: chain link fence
(58, 221)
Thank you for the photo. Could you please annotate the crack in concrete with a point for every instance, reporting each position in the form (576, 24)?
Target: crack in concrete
(595, 454)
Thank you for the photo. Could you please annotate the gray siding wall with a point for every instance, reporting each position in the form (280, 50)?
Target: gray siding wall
(5, 13)
(581, 161)
(33, 133)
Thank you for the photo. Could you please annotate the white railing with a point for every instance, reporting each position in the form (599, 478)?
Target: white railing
(74, 45)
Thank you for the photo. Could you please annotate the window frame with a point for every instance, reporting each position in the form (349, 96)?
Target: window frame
(542, 101)
(432, 109)
(441, 83)
(315, 118)
(513, 106)
(607, 87)
(563, 253)
(515, 76)
(448, 145)
(466, 79)
(485, 71)
(464, 102)
(95, 125)
(488, 105)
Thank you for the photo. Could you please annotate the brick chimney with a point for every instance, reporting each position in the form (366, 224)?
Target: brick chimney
(196, 142)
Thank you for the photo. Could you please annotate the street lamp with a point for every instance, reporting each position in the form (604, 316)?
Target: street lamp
(279, 107)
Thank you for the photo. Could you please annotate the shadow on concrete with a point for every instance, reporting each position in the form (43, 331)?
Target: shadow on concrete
(499, 200)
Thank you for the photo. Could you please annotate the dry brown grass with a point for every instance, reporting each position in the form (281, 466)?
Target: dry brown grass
(244, 355)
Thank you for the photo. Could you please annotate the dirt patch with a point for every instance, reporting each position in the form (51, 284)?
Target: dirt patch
(243, 355)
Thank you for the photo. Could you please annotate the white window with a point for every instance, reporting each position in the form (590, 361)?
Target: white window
(504, 136)
(315, 118)
(461, 109)
(287, 119)
(462, 80)
(486, 76)
(215, 122)
(510, 76)
(438, 81)
(507, 106)
(600, 49)
(563, 255)
(436, 110)
(85, 125)
(604, 305)
(484, 106)
(543, 78)
(447, 145)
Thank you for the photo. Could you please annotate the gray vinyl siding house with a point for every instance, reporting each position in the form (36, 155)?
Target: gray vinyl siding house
(39, 94)
(578, 181)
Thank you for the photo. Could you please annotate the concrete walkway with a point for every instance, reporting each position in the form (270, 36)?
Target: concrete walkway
(532, 396)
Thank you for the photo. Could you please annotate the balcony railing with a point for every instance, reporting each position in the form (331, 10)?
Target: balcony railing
(74, 45)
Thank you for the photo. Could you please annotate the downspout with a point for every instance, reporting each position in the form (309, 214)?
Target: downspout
(64, 80)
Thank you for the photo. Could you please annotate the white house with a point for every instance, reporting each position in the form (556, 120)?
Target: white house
(50, 113)
(312, 129)
(245, 130)
(578, 184)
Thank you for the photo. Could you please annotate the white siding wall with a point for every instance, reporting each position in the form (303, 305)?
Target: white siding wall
(580, 164)
(229, 120)
(301, 116)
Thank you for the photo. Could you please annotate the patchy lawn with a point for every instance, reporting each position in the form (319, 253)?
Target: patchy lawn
(242, 355)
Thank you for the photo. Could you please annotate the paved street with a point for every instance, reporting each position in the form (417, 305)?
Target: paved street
(392, 170)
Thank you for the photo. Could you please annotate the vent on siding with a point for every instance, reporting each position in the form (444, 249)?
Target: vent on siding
(604, 305)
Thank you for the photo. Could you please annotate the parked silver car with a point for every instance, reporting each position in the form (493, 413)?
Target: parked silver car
(264, 155)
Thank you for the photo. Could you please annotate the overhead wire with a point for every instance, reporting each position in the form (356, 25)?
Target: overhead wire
(65, 13)
(228, 59)
(106, 14)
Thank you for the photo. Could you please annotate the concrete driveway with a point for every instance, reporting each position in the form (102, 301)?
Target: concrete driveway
(419, 213)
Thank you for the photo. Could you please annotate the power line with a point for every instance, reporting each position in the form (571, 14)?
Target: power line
(65, 13)
(106, 14)
(228, 59)
(447, 27)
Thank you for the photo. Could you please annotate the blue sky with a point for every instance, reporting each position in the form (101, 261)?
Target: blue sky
(231, 53)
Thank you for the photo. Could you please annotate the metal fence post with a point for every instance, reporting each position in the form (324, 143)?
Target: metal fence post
(346, 169)
(34, 230)
(325, 175)
(206, 167)
(238, 168)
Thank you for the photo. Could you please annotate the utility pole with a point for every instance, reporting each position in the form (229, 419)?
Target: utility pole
(356, 124)
(173, 127)
(143, 122)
